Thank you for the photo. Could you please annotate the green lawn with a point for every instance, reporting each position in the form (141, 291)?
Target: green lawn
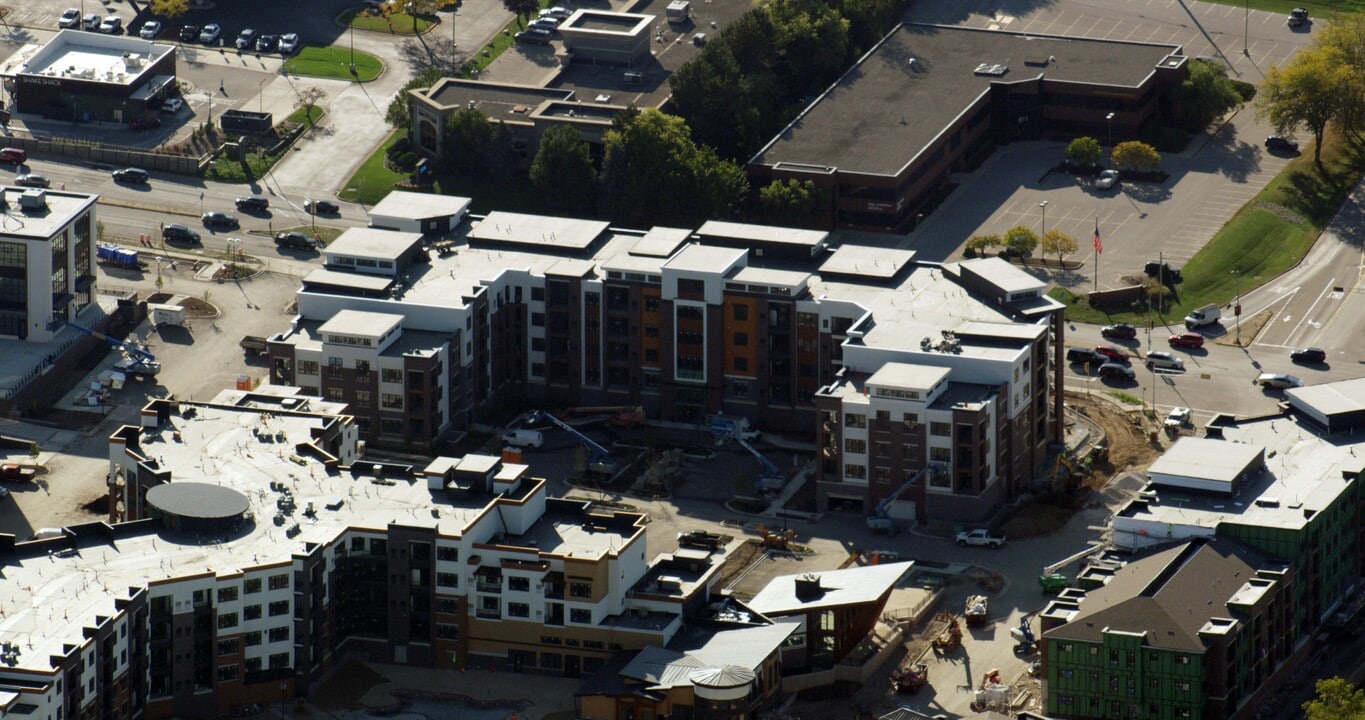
(399, 23)
(256, 164)
(372, 181)
(333, 62)
(305, 115)
(1257, 244)
(490, 52)
(1317, 8)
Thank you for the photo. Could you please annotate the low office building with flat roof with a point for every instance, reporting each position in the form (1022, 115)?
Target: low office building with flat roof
(929, 101)
(616, 38)
(93, 76)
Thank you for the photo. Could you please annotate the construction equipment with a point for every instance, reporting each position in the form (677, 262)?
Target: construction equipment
(724, 427)
(599, 462)
(880, 521)
(254, 344)
(910, 678)
(770, 479)
(975, 610)
(115, 256)
(948, 640)
(991, 693)
(1053, 582)
(136, 360)
(776, 540)
(1023, 636)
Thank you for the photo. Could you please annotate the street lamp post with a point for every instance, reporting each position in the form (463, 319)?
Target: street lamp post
(1246, 29)
(1237, 309)
(1043, 206)
(1109, 121)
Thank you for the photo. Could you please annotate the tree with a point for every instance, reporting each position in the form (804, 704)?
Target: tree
(1083, 151)
(1308, 92)
(979, 244)
(421, 8)
(1337, 700)
(653, 174)
(309, 98)
(169, 9)
(502, 161)
(790, 202)
(397, 115)
(1136, 155)
(431, 51)
(1346, 35)
(562, 169)
(1020, 240)
(811, 41)
(1056, 242)
(466, 141)
(1205, 94)
(521, 8)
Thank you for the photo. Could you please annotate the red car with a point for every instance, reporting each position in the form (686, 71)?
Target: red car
(144, 122)
(1187, 340)
(1112, 353)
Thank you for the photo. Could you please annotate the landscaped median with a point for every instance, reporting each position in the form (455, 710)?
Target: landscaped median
(399, 23)
(333, 62)
(256, 163)
(1268, 236)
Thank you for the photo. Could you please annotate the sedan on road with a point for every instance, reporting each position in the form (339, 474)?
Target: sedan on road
(1278, 381)
(211, 33)
(1115, 371)
(296, 241)
(1119, 331)
(1187, 340)
(321, 207)
(1112, 353)
(144, 122)
(150, 30)
(253, 203)
(1158, 359)
(32, 180)
(211, 219)
(1309, 355)
(136, 176)
(179, 233)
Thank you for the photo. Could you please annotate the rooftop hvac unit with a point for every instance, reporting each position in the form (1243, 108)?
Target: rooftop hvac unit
(33, 200)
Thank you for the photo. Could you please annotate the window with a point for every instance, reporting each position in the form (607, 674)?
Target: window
(940, 429)
(741, 364)
(1182, 686)
(551, 661)
(580, 589)
(391, 401)
(227, 620)
(1132, 659)
(227, 594)
(911, 420)
(228, 647)
(1182, 712)
(1182, 659)
(516, 609)
(581, 616)
(447, 553)
(741, 312)
(362, 367)
(739, 388)
(308, 367)
(252, 612)
(537, 319)
(227, 673)
(447, 580)
(1114, 658)
(1065, 699)
(449, 606)
(938, 454)
(335, 393)
(690, 286)
(253, 638)
(334, 364)
(279, 582)
(279, 607)
(1066, 647)
(279, 634)
(854, 445)
(741, 339)
(1131, 686)
(252, 585)
(446, 631)
(520, 584)
(362, 398)
(854, 420)
(855, 471)
(279, 661)
(391, 375)
(538, 294)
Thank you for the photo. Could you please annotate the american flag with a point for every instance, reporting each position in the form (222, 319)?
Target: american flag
(1099, 248)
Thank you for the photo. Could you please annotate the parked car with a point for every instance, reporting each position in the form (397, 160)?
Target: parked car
(1115, 371)
(267, 43)
(1281, 144)
(179, 233)
(13, 155)
(1187, 340)
(254, 203)
(1278, 381)
(979, 538)
(289, 42)
(548, 24)
(246, 39)
(91, 21)
(1112, 353)
(150, 30)
(189, 33)
(1178, 417)
(32, 180)
(1121, 331)
(1298, 16)
(211, 33)
(136, 176)
(321, 207)
(296, 241)
(172, 106)
(211, 219)
(1107, 179)
(535, 36)
(144, 122)
(1308, 355)
(71, 18)
(1158, 359)
(1083, 355)
(112, 25)
(557, 12)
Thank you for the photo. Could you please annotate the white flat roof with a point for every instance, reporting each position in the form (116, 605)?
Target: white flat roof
(1002, 274)
(95, 57)
(359, 322)
(62, 206)
(908, 375)
(867, 261)
(762, 233)
(373, 243)
(545, 231)
(373, 283)
(1327, 399)
(418, 206)
(660, 242)
(1206, 459)
(705, 258)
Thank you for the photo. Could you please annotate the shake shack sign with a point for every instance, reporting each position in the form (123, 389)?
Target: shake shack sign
(34, 80)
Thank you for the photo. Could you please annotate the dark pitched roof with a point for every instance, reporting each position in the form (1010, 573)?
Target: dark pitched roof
(1167, 594)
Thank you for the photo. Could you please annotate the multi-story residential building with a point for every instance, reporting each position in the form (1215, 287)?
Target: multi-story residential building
(742, 319)
(1198, 629)
(249, 547)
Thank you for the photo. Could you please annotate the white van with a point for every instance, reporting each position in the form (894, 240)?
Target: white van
(524, 438)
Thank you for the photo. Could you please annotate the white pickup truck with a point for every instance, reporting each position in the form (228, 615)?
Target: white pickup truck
(979, 538)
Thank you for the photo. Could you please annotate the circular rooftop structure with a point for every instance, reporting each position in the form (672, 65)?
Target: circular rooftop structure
(722, 684)
(197, 507)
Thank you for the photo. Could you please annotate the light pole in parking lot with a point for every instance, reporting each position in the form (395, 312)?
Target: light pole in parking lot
(1246, 29)
(1237, 309)
(1043, 206)
(1109, 121)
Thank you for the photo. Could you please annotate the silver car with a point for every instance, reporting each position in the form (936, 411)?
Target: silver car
(1158, 359)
